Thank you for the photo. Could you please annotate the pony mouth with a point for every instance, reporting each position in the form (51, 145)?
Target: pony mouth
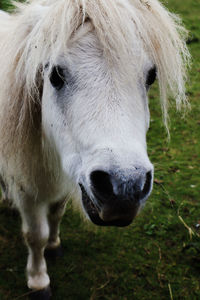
(94, 213)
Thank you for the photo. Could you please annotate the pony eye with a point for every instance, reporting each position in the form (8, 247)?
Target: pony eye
(57, 78)
(151, 77)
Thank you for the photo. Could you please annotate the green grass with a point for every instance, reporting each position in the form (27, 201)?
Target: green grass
(4, 4)
(156, 255)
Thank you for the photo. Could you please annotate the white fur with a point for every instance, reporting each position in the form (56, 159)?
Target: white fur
(99, 124)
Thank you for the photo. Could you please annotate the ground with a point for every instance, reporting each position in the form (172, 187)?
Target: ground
(158, 256)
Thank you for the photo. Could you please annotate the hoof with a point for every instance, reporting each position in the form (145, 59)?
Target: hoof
(53, 253)
(44, 294)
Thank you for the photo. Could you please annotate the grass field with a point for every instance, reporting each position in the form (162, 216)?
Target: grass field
(158, 256)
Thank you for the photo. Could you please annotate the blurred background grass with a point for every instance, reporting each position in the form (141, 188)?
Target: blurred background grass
(158, 256)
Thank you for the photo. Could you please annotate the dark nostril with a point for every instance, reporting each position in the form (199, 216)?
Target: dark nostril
(147, 185)
(107, 187)
(101, 183)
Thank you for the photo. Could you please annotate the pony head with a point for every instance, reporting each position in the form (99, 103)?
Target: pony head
(96, 61)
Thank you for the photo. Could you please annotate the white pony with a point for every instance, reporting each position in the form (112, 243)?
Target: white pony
(74, 111)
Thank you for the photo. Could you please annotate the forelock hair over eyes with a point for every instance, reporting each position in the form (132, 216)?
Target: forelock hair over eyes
(40, 31)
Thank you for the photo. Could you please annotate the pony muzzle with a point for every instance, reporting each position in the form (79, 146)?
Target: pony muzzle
(116, 198)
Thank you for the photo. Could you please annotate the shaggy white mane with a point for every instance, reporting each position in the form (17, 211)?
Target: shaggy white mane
(39, 30)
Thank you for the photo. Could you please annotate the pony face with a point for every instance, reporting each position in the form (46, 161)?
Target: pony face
(94, 101)
(97, 120)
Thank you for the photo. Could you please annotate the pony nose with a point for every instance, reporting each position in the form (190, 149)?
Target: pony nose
(109, 186)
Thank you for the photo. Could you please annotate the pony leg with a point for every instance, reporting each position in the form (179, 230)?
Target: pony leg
(36, 233)
(56, 212)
